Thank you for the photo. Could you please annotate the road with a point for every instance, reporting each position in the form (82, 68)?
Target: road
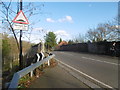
(101, 67)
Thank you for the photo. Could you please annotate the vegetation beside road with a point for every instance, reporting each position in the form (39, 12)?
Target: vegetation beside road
(50, 40)
(10, 56)
(25, 81)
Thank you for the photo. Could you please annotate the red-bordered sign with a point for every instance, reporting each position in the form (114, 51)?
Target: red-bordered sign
(20, 18)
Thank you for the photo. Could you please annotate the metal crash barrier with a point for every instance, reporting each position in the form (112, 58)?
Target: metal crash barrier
(23, 72)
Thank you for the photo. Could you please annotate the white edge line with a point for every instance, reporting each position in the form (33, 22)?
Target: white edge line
(85, 74)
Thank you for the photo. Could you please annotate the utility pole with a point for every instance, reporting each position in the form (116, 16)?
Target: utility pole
(20, 53)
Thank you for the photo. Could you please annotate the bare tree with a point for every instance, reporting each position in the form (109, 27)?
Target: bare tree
(91, 35)
(6, 12)
(104, 31)
(79, 38)
(114, 26)
(9, 11)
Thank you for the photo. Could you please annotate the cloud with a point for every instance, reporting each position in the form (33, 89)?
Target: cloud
(61, 20)
(69, 18)
(50, 20)
(61, 33)
(34, 37)
(66, 19)
(40, 28)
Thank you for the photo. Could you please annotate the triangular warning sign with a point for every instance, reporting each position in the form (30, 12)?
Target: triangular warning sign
(20, 18)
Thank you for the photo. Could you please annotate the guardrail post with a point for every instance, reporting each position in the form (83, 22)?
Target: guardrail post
(31, 73)
(48, 62)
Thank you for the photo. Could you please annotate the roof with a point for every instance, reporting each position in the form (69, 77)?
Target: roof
(62, 43)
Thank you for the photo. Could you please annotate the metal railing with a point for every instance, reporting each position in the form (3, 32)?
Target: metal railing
(21, 73)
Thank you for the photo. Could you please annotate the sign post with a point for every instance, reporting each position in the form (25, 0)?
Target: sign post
(20, 23)
(20, 54)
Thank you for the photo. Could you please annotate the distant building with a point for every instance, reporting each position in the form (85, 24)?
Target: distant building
(62, 43)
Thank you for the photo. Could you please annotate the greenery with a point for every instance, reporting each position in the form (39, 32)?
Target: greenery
(50, 40)
(24, 81)
(10, 52)
(60, 41)
(5, 52)
(70, 42)
(5, 48)
(10, 56)
(10, 43)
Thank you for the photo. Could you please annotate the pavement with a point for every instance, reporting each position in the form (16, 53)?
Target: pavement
(57, 77)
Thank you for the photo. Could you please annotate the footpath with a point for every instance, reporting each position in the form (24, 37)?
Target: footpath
(57, 77)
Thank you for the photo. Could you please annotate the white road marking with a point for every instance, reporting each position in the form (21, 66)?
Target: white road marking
(99, 60)
(94, 59)
(66, 53)
(85, 74)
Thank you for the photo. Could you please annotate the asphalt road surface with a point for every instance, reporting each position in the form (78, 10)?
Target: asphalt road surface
(101, 67)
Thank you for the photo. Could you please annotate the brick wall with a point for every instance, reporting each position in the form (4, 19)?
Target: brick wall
(96, 47)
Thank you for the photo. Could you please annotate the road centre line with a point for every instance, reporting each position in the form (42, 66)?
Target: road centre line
(99, 60)
(66, 53)
(95, 60)
(86, 75)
